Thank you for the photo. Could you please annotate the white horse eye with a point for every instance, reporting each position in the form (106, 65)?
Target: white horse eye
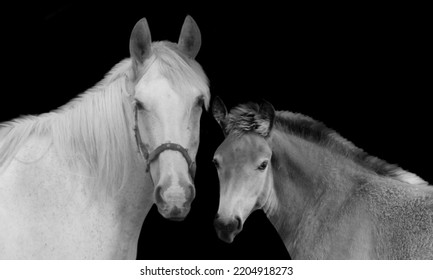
(263, 165)
(140, 105)
(199, 102)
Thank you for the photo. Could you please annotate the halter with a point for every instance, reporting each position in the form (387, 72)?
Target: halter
(149, 157)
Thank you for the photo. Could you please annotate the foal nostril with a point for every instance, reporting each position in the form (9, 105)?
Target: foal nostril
(158, 195)
(218, 224)
(227, 230)
(233, 225)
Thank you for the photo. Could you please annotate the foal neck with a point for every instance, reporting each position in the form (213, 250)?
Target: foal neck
(305, 174)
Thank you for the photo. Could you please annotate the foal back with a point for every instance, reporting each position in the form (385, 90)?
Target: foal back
(403, 219)
(381, 219)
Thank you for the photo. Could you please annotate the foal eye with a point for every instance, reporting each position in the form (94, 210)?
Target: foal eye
(263, 165)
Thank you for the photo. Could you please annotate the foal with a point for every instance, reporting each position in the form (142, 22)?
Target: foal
(326, 198)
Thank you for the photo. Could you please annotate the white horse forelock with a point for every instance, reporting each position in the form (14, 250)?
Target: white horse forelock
(94, 131)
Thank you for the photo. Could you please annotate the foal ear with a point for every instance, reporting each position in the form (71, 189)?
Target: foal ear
(267, 115)
(219, 112)
(190, 38)
(140, 42)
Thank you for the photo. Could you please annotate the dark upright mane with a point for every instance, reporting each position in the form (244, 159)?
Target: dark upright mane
(246, 118)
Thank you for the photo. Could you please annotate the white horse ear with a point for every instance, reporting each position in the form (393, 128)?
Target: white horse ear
(219, 112)
(140, 42)
(267, 116)
(190, 38)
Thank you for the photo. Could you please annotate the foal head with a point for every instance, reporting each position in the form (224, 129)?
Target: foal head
(243, 162)
(168, 89)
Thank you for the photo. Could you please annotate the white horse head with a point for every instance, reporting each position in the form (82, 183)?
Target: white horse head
(169, 90)
(73, 175)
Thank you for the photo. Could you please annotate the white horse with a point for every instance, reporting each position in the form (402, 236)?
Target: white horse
(78, 182)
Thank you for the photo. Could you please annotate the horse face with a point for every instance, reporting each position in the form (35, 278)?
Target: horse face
(243, 164)
(170, 90)
(169, 117)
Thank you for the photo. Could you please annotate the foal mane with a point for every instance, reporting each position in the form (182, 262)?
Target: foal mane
(94, 130)
(246, 118)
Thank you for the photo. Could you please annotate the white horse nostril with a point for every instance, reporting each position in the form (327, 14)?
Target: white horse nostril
(191, 192)
(158, 196)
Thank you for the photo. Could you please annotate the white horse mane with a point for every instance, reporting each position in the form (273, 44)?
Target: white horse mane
(94, 130)
(246, 118)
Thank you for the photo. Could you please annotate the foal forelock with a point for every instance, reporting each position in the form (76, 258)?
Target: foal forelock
(246, 118)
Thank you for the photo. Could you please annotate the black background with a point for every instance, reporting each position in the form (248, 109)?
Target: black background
(362, 70)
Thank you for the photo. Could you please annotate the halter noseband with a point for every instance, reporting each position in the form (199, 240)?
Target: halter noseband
(149, 157)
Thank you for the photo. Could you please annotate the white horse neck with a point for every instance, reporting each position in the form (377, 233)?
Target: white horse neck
(61, 204)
